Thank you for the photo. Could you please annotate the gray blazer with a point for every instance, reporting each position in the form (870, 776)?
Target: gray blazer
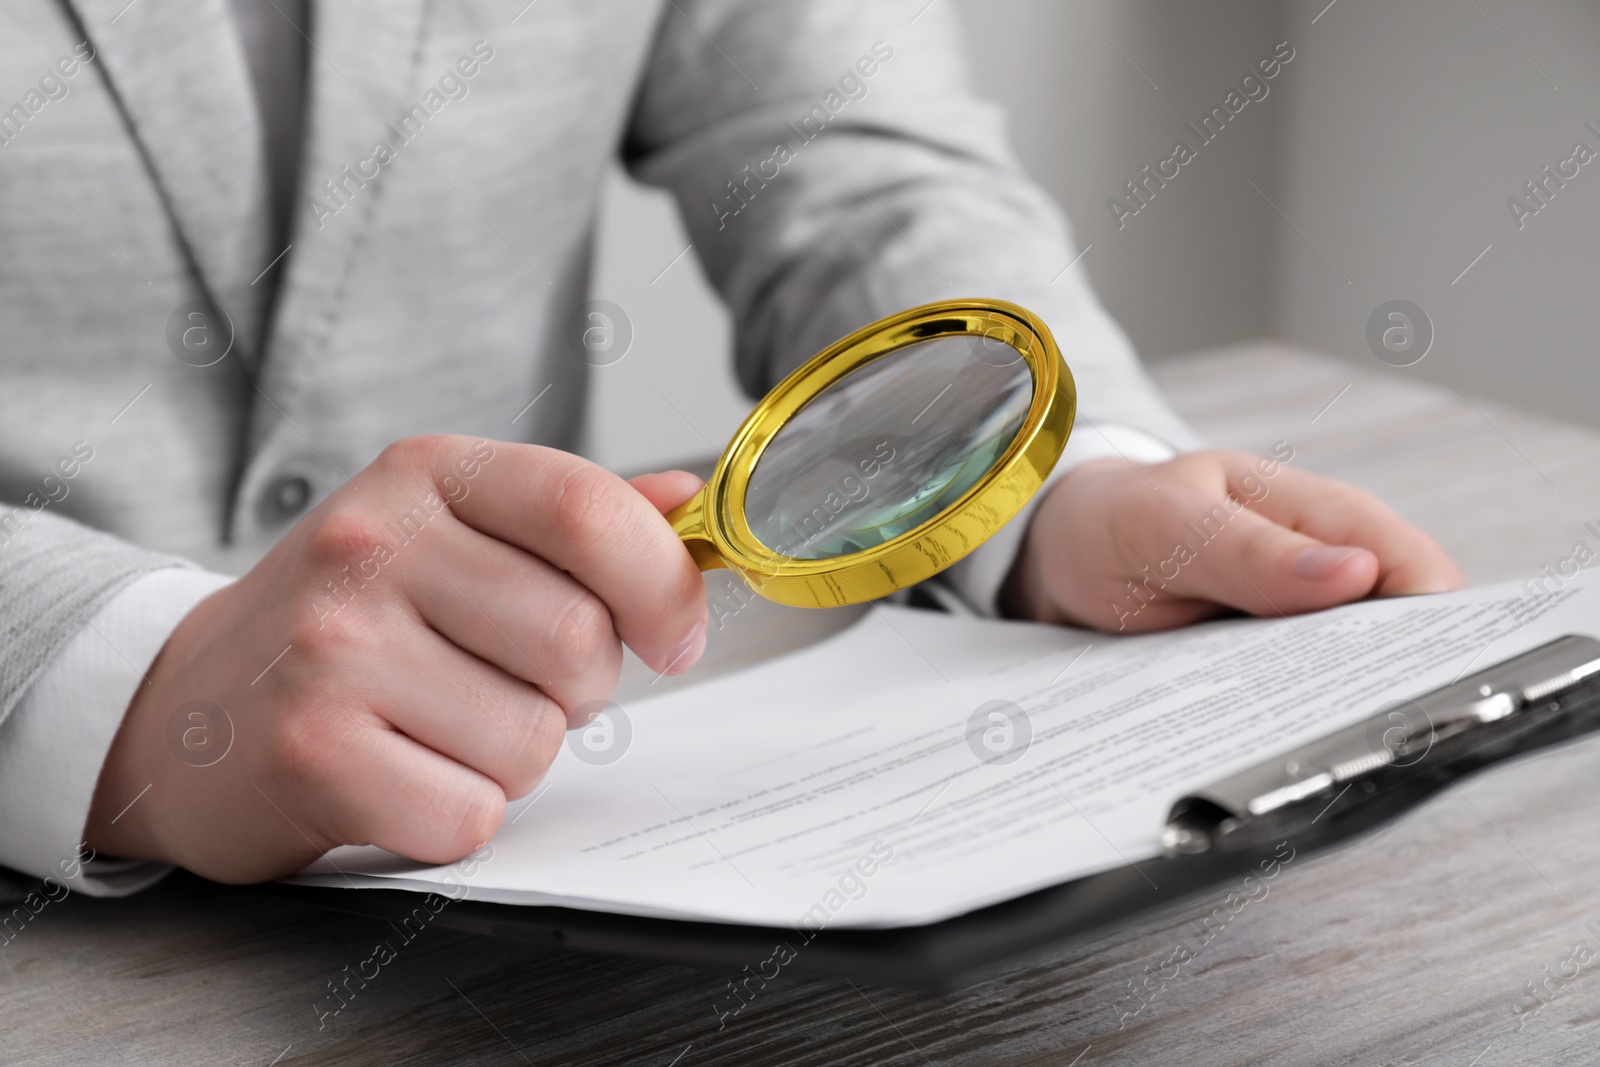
(826, 155)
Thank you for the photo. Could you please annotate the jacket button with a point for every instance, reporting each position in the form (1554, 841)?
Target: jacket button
(284, 498)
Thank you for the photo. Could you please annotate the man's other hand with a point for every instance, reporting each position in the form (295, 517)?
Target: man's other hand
(1131, 547)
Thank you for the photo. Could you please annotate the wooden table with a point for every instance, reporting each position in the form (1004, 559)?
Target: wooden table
(1410, 947)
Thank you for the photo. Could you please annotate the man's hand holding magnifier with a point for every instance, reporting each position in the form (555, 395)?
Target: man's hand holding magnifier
(442, 685)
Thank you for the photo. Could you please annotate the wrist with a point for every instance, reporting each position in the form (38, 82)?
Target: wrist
(128, 789)
(1018, 597)
(1053, 541)
(136, 778)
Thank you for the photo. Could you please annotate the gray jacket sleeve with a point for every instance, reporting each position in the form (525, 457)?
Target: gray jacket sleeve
(54, 575)
(833, 167)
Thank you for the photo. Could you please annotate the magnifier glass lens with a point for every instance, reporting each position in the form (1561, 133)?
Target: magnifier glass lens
(888, 447)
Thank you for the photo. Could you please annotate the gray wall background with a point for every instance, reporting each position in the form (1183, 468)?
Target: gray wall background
(1381, 161)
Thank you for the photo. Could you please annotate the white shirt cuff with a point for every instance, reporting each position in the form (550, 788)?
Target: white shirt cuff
(978, 577)
(55, 741)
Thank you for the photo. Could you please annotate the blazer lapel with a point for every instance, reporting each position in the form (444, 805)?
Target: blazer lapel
(362, 74)
(178, 71)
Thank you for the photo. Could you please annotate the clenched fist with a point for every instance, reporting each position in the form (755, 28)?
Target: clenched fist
(441, 619)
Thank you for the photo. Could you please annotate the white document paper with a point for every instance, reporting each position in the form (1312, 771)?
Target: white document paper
(842, 777)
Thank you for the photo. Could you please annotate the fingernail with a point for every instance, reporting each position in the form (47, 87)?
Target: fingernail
(689, 650)
(1317, 563)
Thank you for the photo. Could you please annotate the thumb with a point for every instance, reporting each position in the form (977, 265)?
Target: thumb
(1263, 568)
(667, 490)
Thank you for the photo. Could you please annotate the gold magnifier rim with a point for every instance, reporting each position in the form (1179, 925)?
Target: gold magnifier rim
(713, 523)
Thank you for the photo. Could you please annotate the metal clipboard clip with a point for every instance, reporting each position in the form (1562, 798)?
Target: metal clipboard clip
(1488, 716)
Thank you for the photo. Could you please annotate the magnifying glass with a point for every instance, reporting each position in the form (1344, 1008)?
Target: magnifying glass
(886, 457)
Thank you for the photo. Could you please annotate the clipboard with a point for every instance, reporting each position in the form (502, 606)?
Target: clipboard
(1308, 799)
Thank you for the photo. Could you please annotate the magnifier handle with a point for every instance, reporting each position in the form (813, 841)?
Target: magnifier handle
(688, 522)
